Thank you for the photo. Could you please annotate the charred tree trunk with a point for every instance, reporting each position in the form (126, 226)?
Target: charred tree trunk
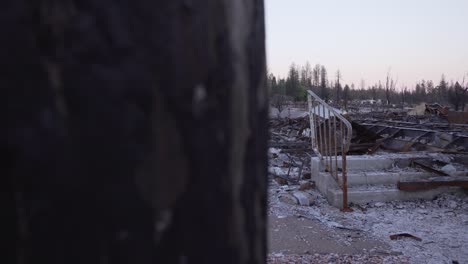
(135, 131)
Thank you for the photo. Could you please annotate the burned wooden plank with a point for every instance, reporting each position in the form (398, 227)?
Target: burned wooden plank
(428, 185)
(292, 145)
(377, 145)
(404, 235)
(428, 167)
(447, 127)
(361, 147)
(457, 117)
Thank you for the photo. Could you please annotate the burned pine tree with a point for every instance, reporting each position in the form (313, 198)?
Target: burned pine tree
(136, 131)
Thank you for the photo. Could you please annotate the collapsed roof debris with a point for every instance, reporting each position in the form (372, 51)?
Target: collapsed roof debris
(443, 112)
(407, 136)
(290, 149)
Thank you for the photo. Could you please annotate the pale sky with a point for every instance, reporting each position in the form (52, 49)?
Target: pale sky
(416, 39)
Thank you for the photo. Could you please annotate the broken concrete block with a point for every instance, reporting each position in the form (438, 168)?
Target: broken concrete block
(288, 199)
(281, 180)
(277, 171)
(306, 186)
(304, 198)
(379, 204)
(273, 152)
(448, 169)
(452, 204)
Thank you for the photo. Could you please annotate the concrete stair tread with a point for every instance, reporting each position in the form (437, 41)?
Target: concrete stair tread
(379, 177)
(382, 193)
(375, 179)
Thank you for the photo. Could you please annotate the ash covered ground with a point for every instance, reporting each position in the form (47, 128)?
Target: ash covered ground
(320, 233)
(304, 228)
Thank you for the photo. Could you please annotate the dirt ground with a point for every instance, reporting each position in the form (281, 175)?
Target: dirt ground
(299, 235)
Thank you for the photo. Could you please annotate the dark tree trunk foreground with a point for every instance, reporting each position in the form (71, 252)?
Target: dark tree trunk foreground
(134, 131)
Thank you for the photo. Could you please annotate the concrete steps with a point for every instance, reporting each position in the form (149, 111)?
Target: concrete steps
(379, 163)
(374, 179)
(383, 177)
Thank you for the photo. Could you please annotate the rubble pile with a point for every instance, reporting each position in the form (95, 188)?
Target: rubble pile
(418, 231)
(289, 158)
(290, 133)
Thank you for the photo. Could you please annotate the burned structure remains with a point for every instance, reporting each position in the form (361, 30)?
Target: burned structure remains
(378, 156)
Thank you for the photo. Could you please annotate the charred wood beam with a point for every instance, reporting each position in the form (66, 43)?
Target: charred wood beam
(413, 141)
(428, 167)
(427, 185)
(454, 128)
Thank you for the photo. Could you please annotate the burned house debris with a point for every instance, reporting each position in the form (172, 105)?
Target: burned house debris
(392, 170)
(359, 158)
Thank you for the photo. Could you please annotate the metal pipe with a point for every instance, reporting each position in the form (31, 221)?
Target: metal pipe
(345, 185)
(319, 139)
(313, 130)
(336, 145)
(345, 177)
(311, 118)
(325, 139)
(330, 144)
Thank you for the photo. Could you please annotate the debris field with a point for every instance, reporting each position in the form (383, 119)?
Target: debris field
(305, 228)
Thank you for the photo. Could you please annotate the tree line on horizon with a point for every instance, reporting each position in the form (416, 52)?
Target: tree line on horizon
(332, 89)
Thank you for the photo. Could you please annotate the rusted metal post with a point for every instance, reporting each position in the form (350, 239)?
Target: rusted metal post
(325, 139)
(344, 175)
(345, 185)
(313, 132)
(314, 117)
(320, 137)
(329, 150)
(311, 120)
(336, 146)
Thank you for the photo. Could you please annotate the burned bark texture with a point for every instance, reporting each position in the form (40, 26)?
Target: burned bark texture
(135, 131)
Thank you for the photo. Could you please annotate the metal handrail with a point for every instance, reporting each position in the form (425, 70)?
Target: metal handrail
(326, 141)
(342, 118)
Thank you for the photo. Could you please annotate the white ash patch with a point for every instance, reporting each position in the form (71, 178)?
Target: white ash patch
(334, 258)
